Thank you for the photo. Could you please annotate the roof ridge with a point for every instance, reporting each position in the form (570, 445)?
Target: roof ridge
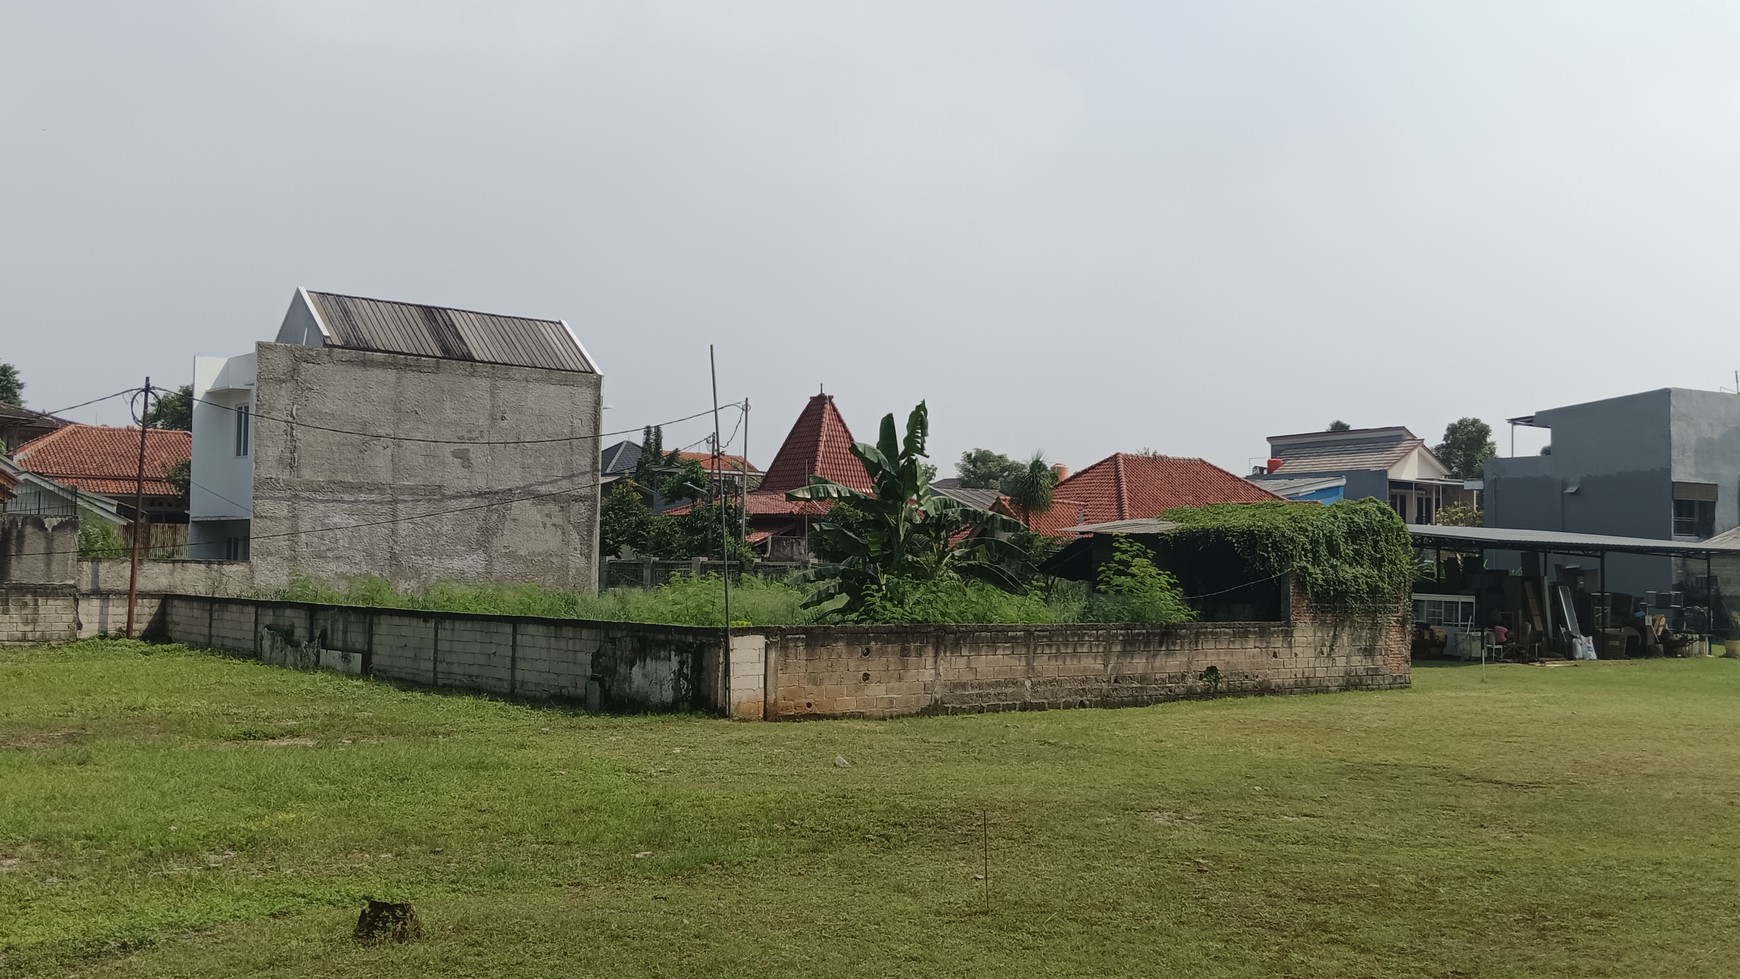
(456, 309)
(1118, 485)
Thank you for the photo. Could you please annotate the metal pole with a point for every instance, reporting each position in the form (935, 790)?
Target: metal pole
(1709, 602)
(138, 508)
(724, 521)
(744, 516)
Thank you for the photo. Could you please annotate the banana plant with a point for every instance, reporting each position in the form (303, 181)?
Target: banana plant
(905, 534)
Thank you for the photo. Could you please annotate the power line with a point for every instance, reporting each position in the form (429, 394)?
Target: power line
(450, 441)
(82, 404)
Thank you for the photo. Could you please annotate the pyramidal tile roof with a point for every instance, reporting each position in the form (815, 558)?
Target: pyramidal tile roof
(1126, 487)
(820, 444)
(105, 460)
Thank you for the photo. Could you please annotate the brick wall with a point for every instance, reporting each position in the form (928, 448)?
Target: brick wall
(32, 614)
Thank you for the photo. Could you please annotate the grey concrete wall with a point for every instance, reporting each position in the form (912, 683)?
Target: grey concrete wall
(309, 484)
(1610, 472)
(867, 671)
(102, 591)
(38, 550)
(610, 665)
(1367, 484)
(811, 672)
(1706, 447)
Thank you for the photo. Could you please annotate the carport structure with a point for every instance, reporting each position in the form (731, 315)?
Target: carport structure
(1555, 542)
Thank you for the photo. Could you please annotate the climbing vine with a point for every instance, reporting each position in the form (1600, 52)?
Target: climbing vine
(1356, 552)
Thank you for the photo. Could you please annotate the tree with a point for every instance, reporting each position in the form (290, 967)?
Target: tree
(1466, 447)
(180, 476)
(173, 410)
(652, 455)
(1458, 515)
(11, 385)
(1030, 488)
(624, 520)
(984, 469)
(902, 537)
(1339, 426)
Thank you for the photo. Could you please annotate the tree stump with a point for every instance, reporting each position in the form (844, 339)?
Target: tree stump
(385, 921)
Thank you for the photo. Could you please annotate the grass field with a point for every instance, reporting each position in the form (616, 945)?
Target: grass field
(171, 813)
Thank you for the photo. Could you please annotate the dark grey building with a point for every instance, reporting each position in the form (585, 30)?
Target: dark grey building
(1661, 464)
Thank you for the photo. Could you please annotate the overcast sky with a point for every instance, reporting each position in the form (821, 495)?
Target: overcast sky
(1082, 227)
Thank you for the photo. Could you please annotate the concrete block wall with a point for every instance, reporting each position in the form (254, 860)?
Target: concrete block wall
(102, 588)
(812, 672)
(869, 671)
(32, 614)
(616, 665)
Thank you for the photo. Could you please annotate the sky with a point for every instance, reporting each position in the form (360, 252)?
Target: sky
(1076, 227)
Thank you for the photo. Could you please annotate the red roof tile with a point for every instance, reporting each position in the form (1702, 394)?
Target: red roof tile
(102, 459)
(820, 444)
(762, 503)
(1131, 487)
(730, 463)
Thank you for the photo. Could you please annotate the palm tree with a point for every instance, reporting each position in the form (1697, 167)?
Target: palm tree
(1030, 489)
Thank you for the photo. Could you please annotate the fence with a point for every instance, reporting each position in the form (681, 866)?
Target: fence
(774, 673)
(652, 572)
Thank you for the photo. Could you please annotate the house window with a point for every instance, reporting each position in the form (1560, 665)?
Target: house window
(235, 549)
(1695, 518)
(242, 430)
(1423, 512)
(1399, 503)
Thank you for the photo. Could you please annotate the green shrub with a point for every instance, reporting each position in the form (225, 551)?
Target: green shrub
(98, 538)
(1356, 552)
(1133, 589)
(686, 600)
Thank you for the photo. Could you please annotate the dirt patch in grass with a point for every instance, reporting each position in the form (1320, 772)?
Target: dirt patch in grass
(42, 740)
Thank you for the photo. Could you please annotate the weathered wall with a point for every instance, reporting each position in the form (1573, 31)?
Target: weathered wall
(810, 672)
(102, 591)
(31, 614)
(38, 550)
(612, 665)
(867, 671)
(312, 488)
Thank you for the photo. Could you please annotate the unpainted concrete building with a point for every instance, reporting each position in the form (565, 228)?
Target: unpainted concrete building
(1661, 464)
(413, 443)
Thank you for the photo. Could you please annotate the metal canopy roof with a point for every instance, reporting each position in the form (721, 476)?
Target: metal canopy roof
(1559, 542)
(1151, 525)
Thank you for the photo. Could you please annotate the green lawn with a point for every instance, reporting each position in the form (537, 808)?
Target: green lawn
(172, 813)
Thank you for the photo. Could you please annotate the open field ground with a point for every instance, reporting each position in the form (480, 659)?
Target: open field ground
(172, 813)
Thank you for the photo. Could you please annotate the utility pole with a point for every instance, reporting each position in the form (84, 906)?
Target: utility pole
(138, 508)
(743, 513)
(724, 518)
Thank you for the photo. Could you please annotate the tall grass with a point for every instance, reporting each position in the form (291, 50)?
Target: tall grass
(686, 600)
(693, 600)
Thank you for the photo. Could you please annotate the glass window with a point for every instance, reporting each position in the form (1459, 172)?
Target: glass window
(242, 430)
(1694, 518)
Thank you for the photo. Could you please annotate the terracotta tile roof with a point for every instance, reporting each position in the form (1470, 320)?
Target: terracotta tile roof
(820, 444)
(762, 503)
(731, 463)
(1126, 486)
(103, 459)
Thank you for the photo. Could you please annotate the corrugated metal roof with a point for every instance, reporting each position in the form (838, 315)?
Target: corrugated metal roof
(1358, 449)
(1555, 541)
(384, 326)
